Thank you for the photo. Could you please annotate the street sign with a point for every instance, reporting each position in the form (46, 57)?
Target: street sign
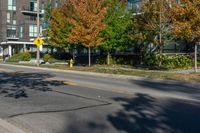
(38, 41)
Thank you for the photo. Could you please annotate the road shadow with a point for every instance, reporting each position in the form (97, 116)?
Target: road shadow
(192, 91)
(16, 84)
(145, 114)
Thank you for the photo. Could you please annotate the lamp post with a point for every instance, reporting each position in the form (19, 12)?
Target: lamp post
(38, 31)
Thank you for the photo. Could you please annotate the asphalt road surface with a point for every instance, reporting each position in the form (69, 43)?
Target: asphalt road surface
(45, 101)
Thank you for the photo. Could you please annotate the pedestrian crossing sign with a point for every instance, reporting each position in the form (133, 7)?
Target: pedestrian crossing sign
(38, 41)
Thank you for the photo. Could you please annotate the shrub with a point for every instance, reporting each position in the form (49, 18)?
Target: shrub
(26, 56)
(102, 60)
(48, 58)
(168, 61)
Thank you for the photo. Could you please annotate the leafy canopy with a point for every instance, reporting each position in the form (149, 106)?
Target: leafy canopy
(87, 21)
(59, 29)
(186, 20)
(118, 20)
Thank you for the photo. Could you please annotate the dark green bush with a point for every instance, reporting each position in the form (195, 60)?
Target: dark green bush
(168, 61)
(26, 56)
(113, 60)
(101, 60)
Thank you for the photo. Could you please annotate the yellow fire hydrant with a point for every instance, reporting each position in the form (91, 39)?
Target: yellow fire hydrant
(71, 64)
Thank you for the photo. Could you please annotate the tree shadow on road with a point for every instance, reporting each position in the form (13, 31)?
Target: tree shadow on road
(146, 114)
(193, 91)
(16, 84)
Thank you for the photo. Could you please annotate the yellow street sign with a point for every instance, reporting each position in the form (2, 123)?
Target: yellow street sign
(38, 41)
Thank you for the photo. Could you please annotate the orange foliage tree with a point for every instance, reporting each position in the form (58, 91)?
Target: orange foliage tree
(186, 22)
(87, 21)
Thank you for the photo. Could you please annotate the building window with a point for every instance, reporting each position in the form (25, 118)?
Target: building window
(11, 31)
(21, 32)
(33, 6)
(8, 17)
(12, 5)
(11, 17)
(33, 30)
(178, 1)
(43, 7)
(56, 3)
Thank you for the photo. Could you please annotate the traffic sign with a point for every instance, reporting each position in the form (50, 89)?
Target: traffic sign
(38, 41)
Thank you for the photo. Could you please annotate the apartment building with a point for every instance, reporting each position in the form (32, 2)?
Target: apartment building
(18, 26)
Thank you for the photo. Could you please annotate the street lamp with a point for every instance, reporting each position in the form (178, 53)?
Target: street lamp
(38, 31)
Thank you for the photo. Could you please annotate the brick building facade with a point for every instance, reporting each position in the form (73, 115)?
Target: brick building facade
(18, 24)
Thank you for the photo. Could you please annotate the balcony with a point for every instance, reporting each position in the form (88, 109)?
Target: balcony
(26, 10)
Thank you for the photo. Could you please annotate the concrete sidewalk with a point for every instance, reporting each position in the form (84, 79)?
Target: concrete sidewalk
(6, 127)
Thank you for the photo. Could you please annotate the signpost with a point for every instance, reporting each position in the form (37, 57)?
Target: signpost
(38, 32)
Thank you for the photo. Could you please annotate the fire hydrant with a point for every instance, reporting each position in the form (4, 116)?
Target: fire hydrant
(71, 64)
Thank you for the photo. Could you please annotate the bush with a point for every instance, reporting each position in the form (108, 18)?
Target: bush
(168, 61)
(26, 56)
(48, 58)
(102, 60)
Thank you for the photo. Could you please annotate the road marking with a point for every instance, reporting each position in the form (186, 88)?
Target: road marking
(70, 83)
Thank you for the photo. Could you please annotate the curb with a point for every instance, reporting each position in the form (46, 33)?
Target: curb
(81, 72)
(106, 75)
(9, 128)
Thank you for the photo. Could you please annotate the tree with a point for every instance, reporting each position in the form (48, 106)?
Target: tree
(59, 29)
(87, 22)
(118, 20)
(152, 26)
(186, 22)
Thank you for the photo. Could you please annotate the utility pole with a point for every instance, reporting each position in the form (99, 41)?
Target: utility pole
(38, 31)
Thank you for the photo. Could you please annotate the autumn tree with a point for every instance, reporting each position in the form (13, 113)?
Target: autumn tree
(87, 22)
(186, 22)
(59, 28)
(118, 20)
(151, 27)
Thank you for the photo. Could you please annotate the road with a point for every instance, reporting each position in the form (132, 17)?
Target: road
(46, 101)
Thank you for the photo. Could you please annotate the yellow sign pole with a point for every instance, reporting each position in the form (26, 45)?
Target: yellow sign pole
(38, 31)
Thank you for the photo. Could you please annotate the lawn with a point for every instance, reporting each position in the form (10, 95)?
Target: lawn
(131, 71)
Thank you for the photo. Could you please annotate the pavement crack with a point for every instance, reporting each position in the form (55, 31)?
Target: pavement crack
(80, 96)
(103, 103)
(58, 111)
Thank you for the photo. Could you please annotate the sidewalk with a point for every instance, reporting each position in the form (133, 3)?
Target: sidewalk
(6, 127)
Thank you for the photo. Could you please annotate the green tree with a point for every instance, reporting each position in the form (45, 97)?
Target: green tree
(152, 25)
(59, 29)
(118, 20)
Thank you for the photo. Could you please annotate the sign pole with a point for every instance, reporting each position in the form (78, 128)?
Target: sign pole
(38, 31)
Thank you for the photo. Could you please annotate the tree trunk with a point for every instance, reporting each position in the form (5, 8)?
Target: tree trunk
(160, 52)
(195, 57)
(89, 57)
(73, 54)
(108, 58)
